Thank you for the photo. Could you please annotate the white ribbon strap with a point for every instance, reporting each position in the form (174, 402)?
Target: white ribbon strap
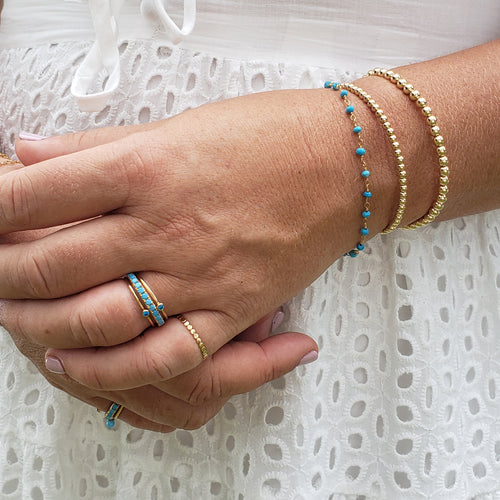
(104, 54)
(156, 12)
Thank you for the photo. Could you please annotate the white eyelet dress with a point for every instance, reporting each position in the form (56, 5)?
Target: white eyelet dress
(404, 400)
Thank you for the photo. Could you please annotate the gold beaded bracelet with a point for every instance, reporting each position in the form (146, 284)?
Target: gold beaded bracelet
(421, 102)
(364, 96)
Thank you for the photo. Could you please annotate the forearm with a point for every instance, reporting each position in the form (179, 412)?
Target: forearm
(463, 90)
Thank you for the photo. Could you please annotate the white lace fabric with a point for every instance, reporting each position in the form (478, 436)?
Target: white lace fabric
(403, 403)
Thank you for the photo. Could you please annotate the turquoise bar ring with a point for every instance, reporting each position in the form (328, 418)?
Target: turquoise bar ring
(151, 307)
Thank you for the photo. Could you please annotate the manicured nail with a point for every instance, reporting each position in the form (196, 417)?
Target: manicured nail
(277, 320)
(54, 365)
(28, 136)
(309, 358)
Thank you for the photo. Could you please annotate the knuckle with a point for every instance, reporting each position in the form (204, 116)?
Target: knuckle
(34, 275)
(205, 390)
(16, 209)
(156, 364)
(88, 329)
(92, 378)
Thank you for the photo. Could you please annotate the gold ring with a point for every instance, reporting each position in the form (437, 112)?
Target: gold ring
(190, 328)
(112, 413)
(151, 307)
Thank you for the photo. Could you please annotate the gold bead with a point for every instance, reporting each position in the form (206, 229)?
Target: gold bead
(378, 71)
(379, 112)
(438, 140)
(383, 118)
(403, 189)
(408, 88)
(427, 111)
(421, 102)
(390, 131)
(443, 189)
(443, 161)
(397, 152)
(431, 120)
(371, 72)
(400, 159)
(401, 166)
(371, 102)
(441, 150)
(442, 198)
(445, 171)
(387, 73)
(444, 181)
(393, 138)
(414, 95)
(434, 212)
(401, 83)
(375, 107)
(395, 77)
(395, 145)
(386, 125)
(435, 130)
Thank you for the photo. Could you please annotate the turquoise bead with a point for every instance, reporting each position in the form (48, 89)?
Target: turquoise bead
(349, 109)
(366, 214)
(367, 194)
(364, 231)
(360, 246)
(360, 151)
(357, 129)
(327, 85)
(365, 173)
(110, 424)
(343, 93)
(353, 253)
(335, 86)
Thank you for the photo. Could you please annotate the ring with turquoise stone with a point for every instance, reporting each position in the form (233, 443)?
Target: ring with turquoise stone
(151, 307)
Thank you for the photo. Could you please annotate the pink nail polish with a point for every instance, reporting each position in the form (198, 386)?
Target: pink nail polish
(309, 358)
(54, 365)
(277, 320)
(28, 136)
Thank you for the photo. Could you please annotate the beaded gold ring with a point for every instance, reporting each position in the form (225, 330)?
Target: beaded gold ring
(438, 139)
(190, 328)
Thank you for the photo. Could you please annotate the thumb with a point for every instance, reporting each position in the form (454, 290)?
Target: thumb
(32, 149)
(240, 367)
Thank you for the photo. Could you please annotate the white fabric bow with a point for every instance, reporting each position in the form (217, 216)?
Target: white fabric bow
(104, 54)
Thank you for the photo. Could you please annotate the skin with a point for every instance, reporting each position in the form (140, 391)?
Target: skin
(219, 208)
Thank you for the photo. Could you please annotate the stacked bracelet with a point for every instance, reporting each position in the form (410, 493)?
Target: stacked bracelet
(415, 96)
(365, 174)
(396, 149)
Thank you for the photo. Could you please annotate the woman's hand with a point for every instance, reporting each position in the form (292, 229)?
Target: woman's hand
(189, 400)
(227, 211)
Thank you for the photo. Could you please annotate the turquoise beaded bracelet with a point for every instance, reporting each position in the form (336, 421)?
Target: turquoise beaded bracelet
(365, 173)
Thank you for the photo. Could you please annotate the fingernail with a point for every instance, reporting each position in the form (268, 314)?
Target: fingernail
(54, 365)
(309, 358)
(277, 320)
(28, 136)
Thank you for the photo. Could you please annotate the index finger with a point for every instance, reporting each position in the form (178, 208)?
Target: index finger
(69, 188)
